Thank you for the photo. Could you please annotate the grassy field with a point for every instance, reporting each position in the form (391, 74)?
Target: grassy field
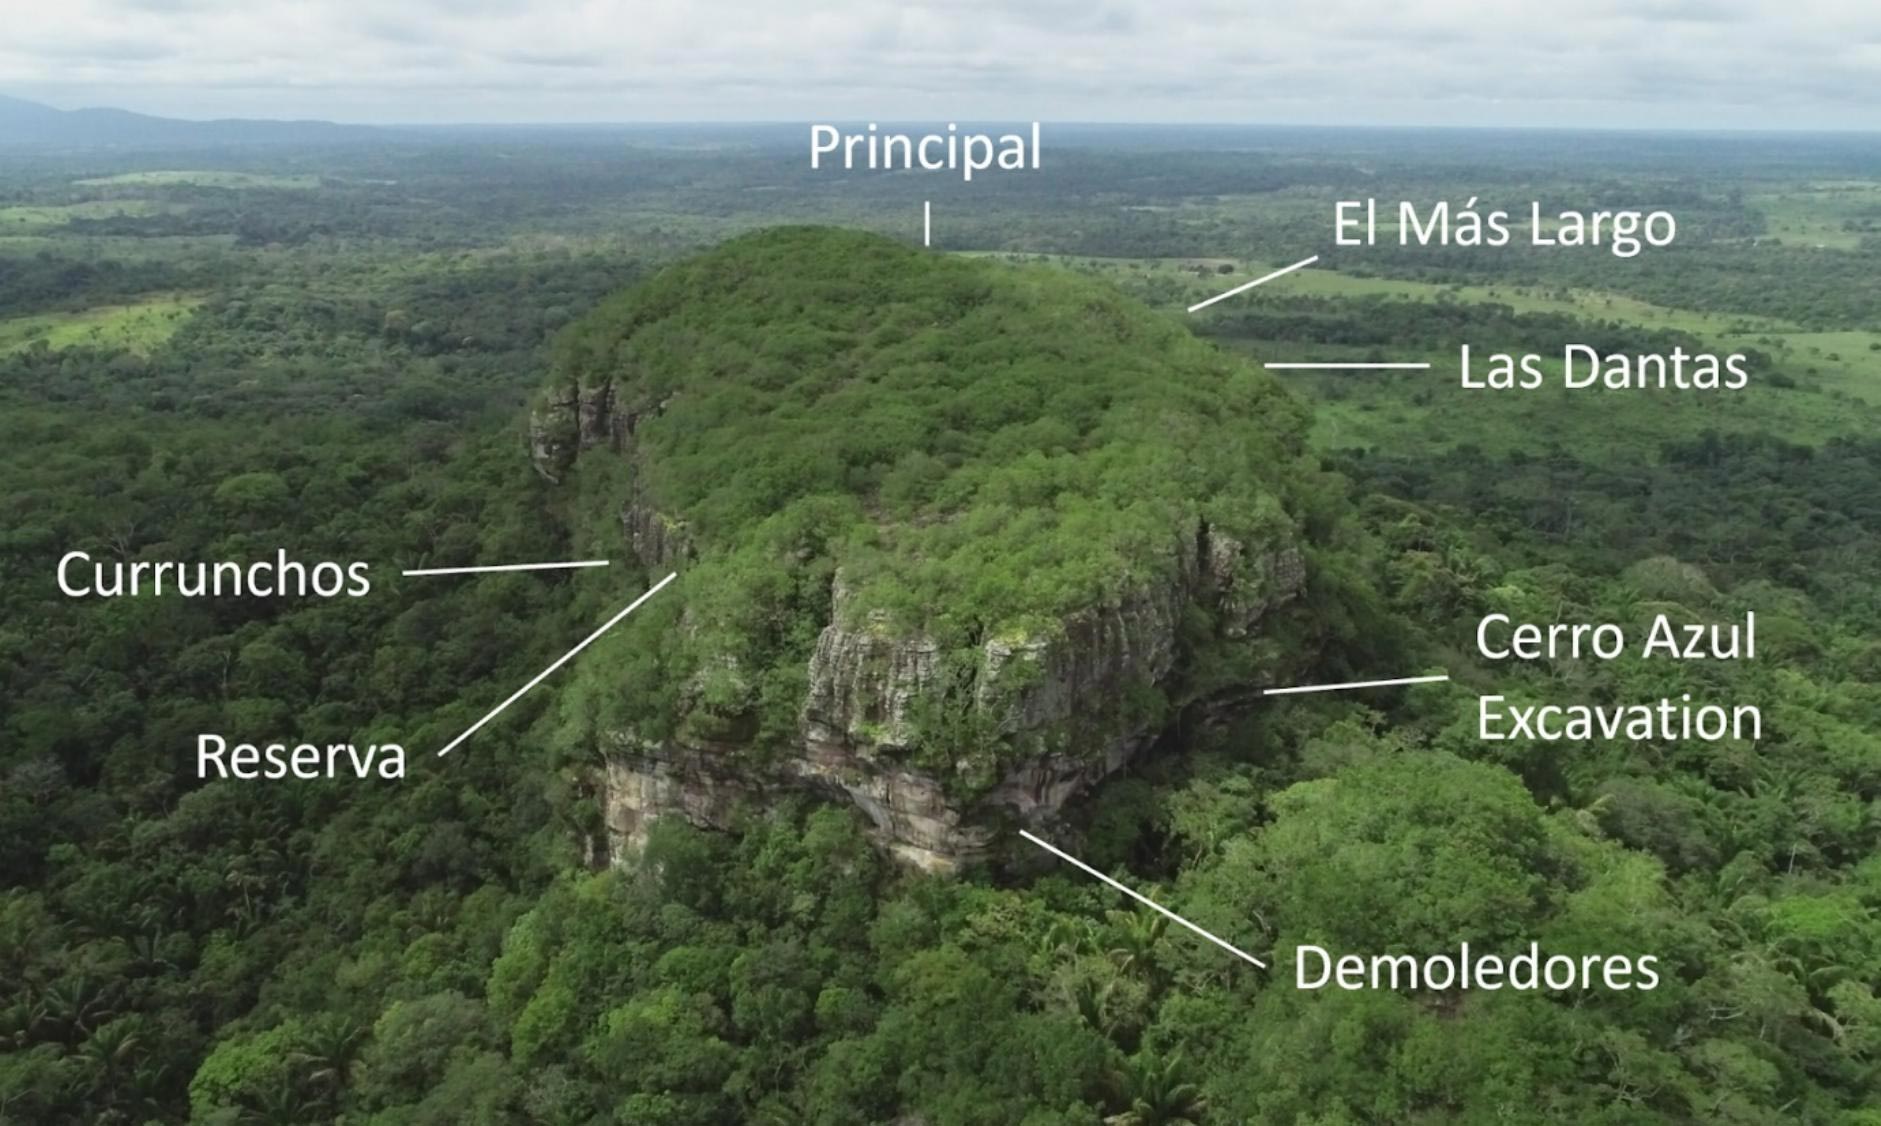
(1830, 214)
(201, 179)
(23, 219)
(137, 327)
(1849, 362)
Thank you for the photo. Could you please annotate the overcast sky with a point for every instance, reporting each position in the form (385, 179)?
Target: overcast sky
(1616, 63)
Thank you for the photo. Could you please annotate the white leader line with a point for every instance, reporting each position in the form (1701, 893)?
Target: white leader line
(507, 567)
(1355, 684)
(559, 662)
(927, 222)
(1404, 366)
(1150, 903)
(1245, 286)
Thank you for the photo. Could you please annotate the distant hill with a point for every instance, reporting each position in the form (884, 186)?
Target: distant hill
(30, 123)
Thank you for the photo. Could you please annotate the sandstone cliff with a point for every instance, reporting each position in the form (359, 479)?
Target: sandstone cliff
(858, 723)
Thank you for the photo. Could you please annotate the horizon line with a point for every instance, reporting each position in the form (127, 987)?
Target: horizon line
(1196, 123)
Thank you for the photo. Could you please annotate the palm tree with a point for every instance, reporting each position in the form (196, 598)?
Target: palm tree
(1140, 933)
(327, 1052)
(1091, 1000)
(108, 1053)
(73, 1004)
(776, 1111)
(1067, 937)
(146, 950)
(281, 1106)
(1156, 1092)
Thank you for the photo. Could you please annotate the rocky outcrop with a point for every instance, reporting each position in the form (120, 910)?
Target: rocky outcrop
(1051, 700)
(658, 540)
(914, 817)
(554, 433)
(571, 419)
(865, 682)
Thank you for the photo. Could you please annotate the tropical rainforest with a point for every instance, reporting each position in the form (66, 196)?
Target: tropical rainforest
(335, 349)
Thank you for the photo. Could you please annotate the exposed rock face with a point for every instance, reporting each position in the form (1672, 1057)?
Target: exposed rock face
(865, 683)
(554, 433)
(915, 817)
(1053, 694)
(658, 540)
(572, 419)
(710, 787)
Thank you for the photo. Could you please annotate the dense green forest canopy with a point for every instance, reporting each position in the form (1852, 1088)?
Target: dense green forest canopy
(333, 349)
(1003, 445)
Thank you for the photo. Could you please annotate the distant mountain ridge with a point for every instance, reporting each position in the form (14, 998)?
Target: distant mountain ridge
(31, 123)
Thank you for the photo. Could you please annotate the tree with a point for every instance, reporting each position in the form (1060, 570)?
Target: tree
(1156, 1092)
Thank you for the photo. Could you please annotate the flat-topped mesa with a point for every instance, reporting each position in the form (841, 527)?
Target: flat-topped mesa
(957, 539)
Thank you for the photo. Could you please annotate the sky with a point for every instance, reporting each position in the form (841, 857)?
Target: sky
(1707, 64)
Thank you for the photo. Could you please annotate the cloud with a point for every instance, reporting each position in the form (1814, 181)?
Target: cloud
(554, 58)
(1601, 62)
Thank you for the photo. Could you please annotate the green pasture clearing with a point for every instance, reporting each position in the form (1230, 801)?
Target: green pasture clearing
(1834, 215)
(137, 327)
(1849, 362)
(24, 218)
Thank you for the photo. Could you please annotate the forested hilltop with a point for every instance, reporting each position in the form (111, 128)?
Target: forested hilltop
(957, 539)
(336, 350)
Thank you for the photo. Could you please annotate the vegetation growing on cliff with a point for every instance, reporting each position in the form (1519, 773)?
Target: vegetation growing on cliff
(968, 452)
